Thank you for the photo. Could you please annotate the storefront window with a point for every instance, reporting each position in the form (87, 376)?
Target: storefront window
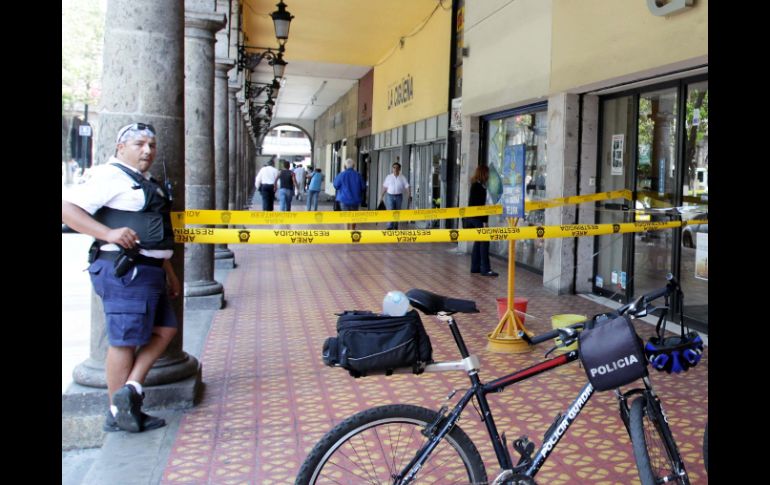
(649, 145)
(531, 130)
(694, 274)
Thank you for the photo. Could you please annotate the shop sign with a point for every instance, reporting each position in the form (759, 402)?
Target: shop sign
(402, 92)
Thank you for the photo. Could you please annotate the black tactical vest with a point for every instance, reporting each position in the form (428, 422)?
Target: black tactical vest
(152, 223)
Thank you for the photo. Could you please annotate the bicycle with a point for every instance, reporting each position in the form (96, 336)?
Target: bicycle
(706, 447)
(401, 443)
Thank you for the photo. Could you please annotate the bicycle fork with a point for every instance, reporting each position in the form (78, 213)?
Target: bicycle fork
(435, 432)
(654, 406)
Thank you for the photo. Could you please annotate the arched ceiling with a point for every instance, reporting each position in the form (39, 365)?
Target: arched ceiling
(332, 44)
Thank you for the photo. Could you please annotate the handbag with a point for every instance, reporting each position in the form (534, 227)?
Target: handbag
(612, 353)
(381, 206)
(368, 342)
(337, 205)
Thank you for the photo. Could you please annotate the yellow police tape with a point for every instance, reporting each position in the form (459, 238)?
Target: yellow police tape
(321, 236)
(657, 200)
(578, 199)
(179, 219)
(215, 217)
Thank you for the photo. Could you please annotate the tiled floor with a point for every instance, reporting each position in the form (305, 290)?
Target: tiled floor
(268, 397)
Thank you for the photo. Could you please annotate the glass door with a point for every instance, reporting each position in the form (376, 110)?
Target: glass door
(694, 247)
(615, 173)
(421, 177)
(656, 186)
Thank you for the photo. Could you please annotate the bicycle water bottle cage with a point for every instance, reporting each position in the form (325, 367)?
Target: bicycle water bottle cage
(674, 354)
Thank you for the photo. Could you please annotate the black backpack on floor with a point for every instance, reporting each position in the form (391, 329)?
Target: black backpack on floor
(368, 342)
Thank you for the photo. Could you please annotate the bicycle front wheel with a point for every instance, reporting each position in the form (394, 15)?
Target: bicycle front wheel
(706, 447)
(374, 446)
(657, 458)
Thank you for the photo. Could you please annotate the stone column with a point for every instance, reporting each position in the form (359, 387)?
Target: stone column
(563, 128)
(144, 40)
(223, 257)
(200, 289)
(587, 212)
(469, 160)
(233, 151)
(243, 136)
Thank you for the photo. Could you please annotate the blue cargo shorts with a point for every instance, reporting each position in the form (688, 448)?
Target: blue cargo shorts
(133, 303)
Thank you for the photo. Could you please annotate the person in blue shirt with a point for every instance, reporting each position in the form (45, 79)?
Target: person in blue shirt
(349, 186)
(313, 189)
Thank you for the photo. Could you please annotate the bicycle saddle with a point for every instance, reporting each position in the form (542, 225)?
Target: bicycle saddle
(431, 303)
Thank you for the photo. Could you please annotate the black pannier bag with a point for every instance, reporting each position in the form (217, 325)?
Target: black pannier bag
(368, 342)
(612, 353)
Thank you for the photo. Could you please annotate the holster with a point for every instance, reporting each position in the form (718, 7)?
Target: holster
(124, 262)
(93, 252)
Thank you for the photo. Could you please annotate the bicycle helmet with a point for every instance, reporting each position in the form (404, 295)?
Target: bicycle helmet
(674, 354)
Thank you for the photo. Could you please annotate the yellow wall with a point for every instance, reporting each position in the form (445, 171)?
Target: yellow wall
(509, 54)
(424, 58)
(595, 41)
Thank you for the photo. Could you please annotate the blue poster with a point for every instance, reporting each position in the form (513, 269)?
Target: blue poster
(513, 181)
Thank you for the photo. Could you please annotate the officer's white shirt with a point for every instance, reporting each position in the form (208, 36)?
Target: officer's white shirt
(395, 185)
(109, 186)
(266, 175)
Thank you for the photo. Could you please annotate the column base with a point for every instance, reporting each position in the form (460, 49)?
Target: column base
(83, 408)
(205, 295)
(223, 258)
(166, 370)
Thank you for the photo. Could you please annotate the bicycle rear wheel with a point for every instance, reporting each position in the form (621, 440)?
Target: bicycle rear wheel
(657, 458)
(373, 447)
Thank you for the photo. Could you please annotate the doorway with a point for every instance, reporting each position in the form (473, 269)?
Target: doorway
(654, 141)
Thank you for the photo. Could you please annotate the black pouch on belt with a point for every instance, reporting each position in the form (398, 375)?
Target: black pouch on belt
(124, 262)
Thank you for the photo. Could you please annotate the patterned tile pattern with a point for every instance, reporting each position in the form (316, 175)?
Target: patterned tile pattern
(268, 397)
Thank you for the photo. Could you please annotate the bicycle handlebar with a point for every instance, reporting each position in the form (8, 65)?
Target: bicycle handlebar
(640, 306)
(564, 332)
(642, 303)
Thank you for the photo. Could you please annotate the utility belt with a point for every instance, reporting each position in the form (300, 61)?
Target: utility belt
(123, 259)
(138, 258)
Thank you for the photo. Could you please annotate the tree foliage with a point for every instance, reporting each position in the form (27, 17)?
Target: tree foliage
(82, 44)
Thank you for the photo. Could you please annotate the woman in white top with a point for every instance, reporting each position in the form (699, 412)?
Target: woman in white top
(394, 187)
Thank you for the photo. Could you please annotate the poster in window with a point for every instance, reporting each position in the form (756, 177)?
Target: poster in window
(617, 154)
(513, 180)
(456, 120)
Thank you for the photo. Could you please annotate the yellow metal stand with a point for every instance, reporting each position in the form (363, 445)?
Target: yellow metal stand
(504, 338)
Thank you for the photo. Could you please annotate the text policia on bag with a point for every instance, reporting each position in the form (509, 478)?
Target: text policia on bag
(368, 343)
(612, 353)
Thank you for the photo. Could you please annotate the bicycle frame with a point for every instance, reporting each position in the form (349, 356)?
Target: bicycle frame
(480, 391)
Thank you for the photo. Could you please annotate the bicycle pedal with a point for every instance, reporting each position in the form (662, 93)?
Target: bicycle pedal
(508, 477)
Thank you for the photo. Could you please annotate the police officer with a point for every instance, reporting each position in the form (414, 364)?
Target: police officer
(127, 212)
